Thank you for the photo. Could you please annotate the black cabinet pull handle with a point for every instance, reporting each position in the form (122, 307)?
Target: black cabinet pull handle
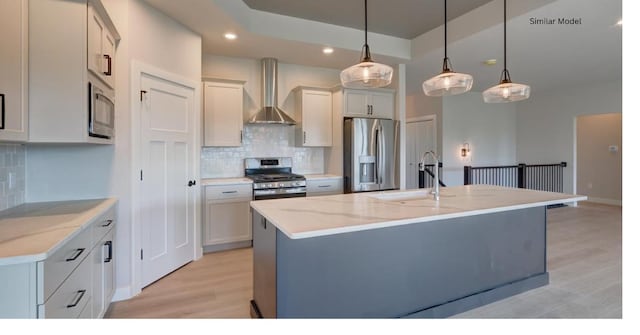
(264, 223)
(79, 252)
(2, 110)
(191, 183)
(108, 58)
(79, 296)
(323, 186)
(108, 223)
(110, 255)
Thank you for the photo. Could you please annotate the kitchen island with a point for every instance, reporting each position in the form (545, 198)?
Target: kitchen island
(398, 253)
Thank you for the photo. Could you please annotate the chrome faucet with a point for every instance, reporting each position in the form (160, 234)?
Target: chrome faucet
(436, 181)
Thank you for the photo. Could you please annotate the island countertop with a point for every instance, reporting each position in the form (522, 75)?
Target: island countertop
(334, 214)
(33, 231)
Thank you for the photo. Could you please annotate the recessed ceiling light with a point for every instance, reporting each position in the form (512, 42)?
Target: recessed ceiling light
(230, 36)
(490, 62)
(619, 22)
(327, 50)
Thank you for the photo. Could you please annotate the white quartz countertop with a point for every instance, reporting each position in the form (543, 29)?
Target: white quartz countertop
(33, 231)
(321, 176)
(334, 214)
(225, 181)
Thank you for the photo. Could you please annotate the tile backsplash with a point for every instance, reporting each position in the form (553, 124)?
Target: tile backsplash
(12, 175)
(260, 141)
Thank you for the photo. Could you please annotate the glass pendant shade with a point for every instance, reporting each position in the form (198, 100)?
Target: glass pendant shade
(447, 83)
(366, 74)
(506, 92)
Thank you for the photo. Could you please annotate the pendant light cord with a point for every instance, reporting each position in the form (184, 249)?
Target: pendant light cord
(505, 35)
(366, 41)
(366, 53)
(445, 29)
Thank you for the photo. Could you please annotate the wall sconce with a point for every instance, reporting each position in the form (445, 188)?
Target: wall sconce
(465, 150)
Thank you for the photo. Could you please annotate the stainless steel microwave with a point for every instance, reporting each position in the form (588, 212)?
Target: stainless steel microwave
(101, 112)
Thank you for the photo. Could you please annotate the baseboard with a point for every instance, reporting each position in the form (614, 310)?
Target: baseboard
(227, 246)
(122, 293)
(605, 201)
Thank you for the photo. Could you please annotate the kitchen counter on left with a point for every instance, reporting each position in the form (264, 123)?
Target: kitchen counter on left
(32, 232)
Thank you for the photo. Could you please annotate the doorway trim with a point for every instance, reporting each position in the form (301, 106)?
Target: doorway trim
(138, 69)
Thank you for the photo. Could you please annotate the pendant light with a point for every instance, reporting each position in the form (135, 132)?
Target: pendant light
(367, 73)
(447, 82)
(506, 91)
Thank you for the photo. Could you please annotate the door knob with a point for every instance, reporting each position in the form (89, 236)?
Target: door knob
(191, 183)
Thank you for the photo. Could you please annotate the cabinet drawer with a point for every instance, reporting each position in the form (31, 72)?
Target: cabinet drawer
(71, 297)
(103, 224)
(53, 271)
(324, 186)
(223, 192)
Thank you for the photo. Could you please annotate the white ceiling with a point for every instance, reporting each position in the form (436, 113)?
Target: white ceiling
(547, 57)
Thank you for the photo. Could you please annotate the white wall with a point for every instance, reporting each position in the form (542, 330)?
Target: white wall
(490, 130)
(66, 172)
(546, 123)
(264, 140)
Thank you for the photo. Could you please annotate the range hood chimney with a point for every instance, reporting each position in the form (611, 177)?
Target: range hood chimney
(270, 113)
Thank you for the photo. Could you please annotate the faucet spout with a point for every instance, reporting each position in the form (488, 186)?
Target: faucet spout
(436, 180)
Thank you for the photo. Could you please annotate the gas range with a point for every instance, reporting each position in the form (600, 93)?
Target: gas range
(272, 178)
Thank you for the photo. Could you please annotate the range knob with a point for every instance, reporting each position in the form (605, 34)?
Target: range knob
(281, 185)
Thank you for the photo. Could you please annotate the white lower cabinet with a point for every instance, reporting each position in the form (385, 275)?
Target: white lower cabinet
(103, 275)
(227, 217)
(76, 281)
(328, 186)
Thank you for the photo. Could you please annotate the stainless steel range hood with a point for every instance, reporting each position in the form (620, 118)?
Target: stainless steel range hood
(270, 113)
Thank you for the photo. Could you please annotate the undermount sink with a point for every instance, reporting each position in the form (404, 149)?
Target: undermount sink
(403, 195)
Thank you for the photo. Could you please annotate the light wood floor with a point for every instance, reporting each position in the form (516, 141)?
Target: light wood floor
(584, 263)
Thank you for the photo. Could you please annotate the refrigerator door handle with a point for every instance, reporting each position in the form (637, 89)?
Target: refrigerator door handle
(379, 155)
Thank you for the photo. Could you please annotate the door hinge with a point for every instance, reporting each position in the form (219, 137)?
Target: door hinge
(141, 175)
(141, 254)
(142, 93)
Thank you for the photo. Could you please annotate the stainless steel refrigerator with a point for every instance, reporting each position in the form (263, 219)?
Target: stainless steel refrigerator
(371, 154)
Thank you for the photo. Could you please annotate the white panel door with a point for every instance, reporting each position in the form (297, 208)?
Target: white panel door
(168, 202)
(421, 137)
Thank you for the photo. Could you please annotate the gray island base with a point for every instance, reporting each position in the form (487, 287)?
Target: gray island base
(431, 269)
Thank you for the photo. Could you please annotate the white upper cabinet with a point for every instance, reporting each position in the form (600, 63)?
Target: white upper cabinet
(14, 70)
(223, 108)
(313, 117)
(369, 103)
(101, 47)
(61, 66)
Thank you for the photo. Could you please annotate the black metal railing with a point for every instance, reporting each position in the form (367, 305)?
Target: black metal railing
(430, 176)
(542, 177)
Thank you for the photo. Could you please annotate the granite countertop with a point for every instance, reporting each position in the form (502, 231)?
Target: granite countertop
(33, 231)
(321, 176)
(225, 181)
(334, 214)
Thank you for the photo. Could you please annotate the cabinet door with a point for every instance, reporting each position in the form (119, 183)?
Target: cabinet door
(103, 275)
(382, 105)
(223, 108)
(95, 41)
(355, 103)
(316, 119)
(101, 47)
(227, 222)
(13, 70)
